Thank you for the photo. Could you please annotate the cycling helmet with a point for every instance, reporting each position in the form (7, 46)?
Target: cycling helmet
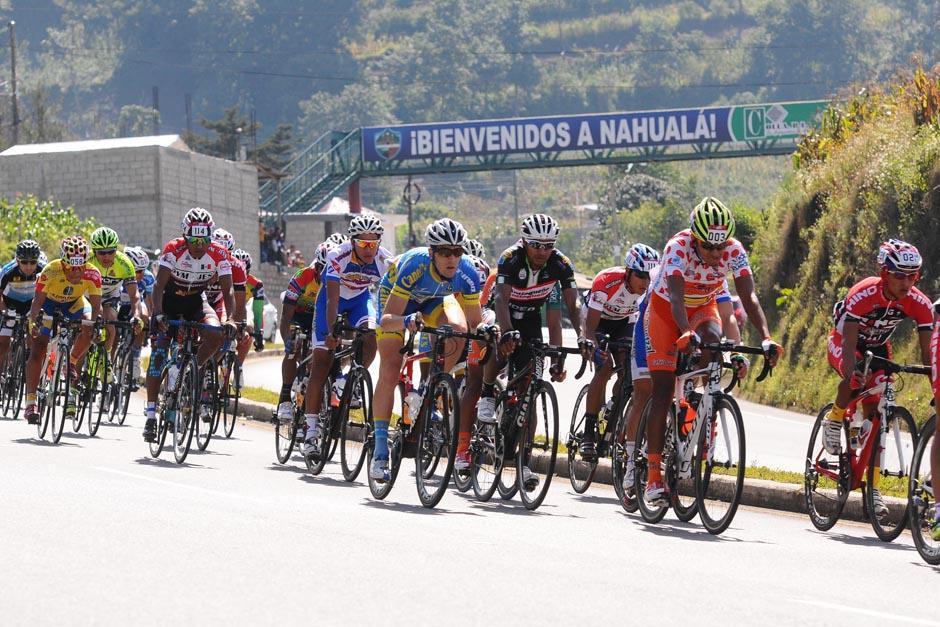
(197, 223)
(104, 238)
(641, 258)
(28, 250)
(43, 260)
(243, 256)
(338, 238)
(138, 257)
(540, 228)
(711, 221)
(223, 238)
(900, 256)
(474, 248)
(362, 224)
(74, 251)
(445, 232)
(323, 250)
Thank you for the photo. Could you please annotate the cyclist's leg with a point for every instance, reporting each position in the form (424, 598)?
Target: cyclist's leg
(210, 341)
(661, 355)
(451, 313)
(109, 312)
(362, 313)
(80, 310)
(935, 445)
(473, 384)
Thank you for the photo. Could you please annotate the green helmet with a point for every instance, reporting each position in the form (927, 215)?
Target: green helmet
(104, 239)
(711, 221)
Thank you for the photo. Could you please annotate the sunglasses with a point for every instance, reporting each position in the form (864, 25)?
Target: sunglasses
(904, 276)
(641, 275)
(107, 251)
(370, 244)
(28, 262)
(198, 241)
(456, 251)
(709, 246)
(540, 245)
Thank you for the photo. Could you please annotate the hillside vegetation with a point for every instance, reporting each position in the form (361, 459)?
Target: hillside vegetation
(872, 172)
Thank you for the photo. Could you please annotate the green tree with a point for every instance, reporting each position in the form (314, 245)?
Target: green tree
(40, 122)
(136, 121)
(276, 150)
(229, 132)
(45, 221)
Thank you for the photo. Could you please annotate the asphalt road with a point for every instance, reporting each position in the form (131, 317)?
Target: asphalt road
(94, 531)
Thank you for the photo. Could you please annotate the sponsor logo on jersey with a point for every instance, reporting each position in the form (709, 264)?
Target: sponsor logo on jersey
(865, 293)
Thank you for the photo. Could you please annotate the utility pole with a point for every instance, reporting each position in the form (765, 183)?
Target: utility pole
(411, 195)
(16, 110)
(156, 110)
(189, 116)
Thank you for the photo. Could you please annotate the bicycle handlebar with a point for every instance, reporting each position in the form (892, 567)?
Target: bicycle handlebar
(731, 347)
(548, 350)
(892, 367)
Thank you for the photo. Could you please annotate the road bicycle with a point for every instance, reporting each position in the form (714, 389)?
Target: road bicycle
(289, 434)
(525, 430)
(97, 382)
(922, 503)
(13, 373)
(864, 461)
(52, 394)
(703, 456)
(229, 377)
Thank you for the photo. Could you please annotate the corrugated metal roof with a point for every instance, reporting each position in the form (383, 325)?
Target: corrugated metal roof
(167, 141)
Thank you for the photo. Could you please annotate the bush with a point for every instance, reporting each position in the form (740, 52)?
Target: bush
(45, 221)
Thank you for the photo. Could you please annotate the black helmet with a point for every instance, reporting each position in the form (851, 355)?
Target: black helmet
(27, 250)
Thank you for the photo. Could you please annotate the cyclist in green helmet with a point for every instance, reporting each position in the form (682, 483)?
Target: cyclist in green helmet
(117, 271)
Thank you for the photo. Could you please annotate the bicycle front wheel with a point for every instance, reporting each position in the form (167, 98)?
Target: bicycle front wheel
(888, 470)
(827, 479)
(538, 445)
(921, 497)
(59, 396)
(317, 460)
(618, 463)
(98, 394)
(650, 513)
(719, 463)
(156, 446)
(206, 422)
(230, 398)
(580, 472)
(355, 422)
(437, 443)
(187, 410)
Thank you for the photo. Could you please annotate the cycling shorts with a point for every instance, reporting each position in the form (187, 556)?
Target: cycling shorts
(360, 310)
(192, 307)
(835, 355)
(434, 311)
(614, 330)
(74, 310)
(662, 331)
(114, 302)
(302, 320)
(638, 367)
(17, 307)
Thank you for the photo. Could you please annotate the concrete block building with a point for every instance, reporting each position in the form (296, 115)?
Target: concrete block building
(139, 186)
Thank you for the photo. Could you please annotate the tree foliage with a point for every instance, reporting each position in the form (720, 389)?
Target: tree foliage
(47, 222)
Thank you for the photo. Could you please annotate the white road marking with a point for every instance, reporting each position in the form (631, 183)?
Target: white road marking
(866, 612)
(174, 484)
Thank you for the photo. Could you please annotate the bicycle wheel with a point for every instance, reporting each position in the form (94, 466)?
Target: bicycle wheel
(156, 447)
(888, 471)
(678, 462)
(537, 451)
(121, 392)
(18, 385)
(580, 472)
(355, 423)
(98, 394)
(827, 479)
(720, 450)
(60, 395)
(206, 422)
(317, 461)
(437, 441)
(618, 463)
(82, 393)
(381, 490)
(285, 433)
(649, 512)
(921, 496)
(233, 392)
(187, 409)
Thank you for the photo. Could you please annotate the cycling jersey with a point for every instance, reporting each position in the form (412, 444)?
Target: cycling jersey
(144, 288)
(483, 269)
(877, 317)
(18, 288)
(239, 281)
(254, 286)
(114, 277)
(56, 287)
(611, 295)
(703, 283)
(531, 288)
(414, 279)
(354, 277)
(189, 275)
(302, 290)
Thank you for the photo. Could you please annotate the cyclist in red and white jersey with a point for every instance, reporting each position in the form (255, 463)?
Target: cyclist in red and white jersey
(188, 265)
(864, 321)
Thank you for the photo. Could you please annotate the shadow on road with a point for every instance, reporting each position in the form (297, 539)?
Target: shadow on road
(857, 541)
(511, 507)
(409, 508)
(38, 442)
(157, 462)
(690, 531)
(327, 480)
(208, 452)
(589, 498)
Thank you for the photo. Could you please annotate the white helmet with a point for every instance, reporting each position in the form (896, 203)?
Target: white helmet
(224, 239)
(362, 224)
(138, 257)
(474, 248)
(540, 228)
(445, 232)
(323, 250)
(338, 238)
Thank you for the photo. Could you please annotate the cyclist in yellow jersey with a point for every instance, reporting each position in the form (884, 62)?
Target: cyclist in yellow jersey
(72, 288)
(117, 271)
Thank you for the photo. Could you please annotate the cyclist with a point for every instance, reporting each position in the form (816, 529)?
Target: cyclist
(414, 290)
(350, 271)
(255, 288)
(18, 285)
(864, 321)
(611, 309)
(934, 447)
(188, 265)
(525, 278)
(337, 239)
(145, 281)
(682, 310)
(298, 304)
(117, 272)
(72, 287)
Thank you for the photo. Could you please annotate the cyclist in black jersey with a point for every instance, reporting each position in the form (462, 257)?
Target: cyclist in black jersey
(526, 274)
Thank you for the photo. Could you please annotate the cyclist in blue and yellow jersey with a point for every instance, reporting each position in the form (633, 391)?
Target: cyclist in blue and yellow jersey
(413, 291)
(117, 272)
(350, 271)
(145, 281)
(18, 285)
(71, 287)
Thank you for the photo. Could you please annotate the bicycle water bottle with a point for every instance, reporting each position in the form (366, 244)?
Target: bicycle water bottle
(338, 386)
(686, 417)
(864, 432)
(855, 428)
(172, 375)
(413, 403)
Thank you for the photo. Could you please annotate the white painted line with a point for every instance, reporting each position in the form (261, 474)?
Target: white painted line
(866, 612)
(174, 484)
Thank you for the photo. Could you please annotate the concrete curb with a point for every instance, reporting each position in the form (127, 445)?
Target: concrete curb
(787, 497)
